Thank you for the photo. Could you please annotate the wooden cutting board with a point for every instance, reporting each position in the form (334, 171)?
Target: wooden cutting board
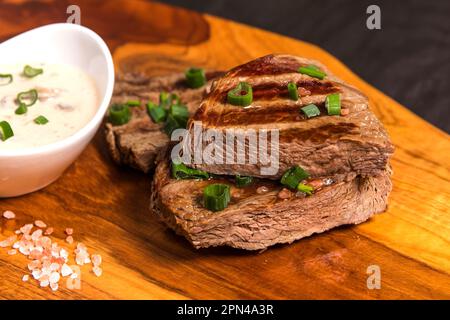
(107, 205)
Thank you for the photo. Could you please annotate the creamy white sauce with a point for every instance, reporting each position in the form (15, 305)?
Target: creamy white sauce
(67, 97)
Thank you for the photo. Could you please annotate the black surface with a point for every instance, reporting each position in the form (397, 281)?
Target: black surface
(408, 59)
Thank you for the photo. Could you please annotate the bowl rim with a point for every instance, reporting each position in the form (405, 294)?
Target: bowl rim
(102, 106)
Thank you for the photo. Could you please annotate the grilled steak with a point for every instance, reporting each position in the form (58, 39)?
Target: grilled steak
(341, 147)
(256, 220)
(138, 142)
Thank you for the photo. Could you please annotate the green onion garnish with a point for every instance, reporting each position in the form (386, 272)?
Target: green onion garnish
(133, 103)
(305, 189)
(27, 98)
(293, 91)
(179, 112)
(157, 113)
(22, 109)
(40, 120)
(312, 71)
(119, 114)
(333, 104)
(195, 77)
(31, 72)
(293, 177)
(181, 171)
(216, 196)
(177, 118)
(242, 95)
(5, 131)
(167, 99)
(311, 110)
(243, 181)
(171, 125)
(9, 78)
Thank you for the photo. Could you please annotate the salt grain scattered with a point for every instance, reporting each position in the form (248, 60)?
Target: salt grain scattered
(69, 239)
(9, 215)
(97, 271)
(66, 270)
(49, 260)
(96, 260)
(40, 224)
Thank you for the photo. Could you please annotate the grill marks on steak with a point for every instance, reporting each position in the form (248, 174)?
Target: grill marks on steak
(255, 221)
(138, 142)
(356, 144)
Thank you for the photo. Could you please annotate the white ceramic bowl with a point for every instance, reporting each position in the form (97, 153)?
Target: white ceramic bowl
(28, 170)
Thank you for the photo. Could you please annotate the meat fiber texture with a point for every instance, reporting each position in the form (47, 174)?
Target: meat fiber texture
(137, 143)
(352, 151)
(326, 146)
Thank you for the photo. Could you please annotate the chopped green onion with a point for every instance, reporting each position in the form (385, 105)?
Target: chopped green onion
(171, 125)
(243, 181)
(311, 66)
(242, 95)
(28, 98)
(311, 110)
(119, 114)
(195, 77)
(181, 171)
(6, 76)
(312, 72)
(167, 99)
(157, 113)
(5, 131)
(133, 103)
(333, 104)
(31, 72)
(177, 118)
(216, 196)
(293, 91)
(179, 112)
(293, 177)
(41, 120)
(305, 189)
(22, 109)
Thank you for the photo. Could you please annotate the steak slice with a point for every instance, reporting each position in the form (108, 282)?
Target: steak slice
(254, 221)
(326, 146)
(137, 143)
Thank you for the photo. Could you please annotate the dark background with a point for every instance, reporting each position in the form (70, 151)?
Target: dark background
(408, 59)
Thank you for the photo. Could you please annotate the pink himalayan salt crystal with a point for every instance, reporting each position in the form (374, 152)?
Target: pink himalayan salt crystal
(9, 215)
(49, 231)
(26, 228)
(69, 239)
(96, 259)
(97, 271)
(54, 277)
(69, 231)
(66, 270)
(36, 235)
(12, 252)
(40, 224)
(54, 286)
(44, 283)
(25, 278)
(35, 264)
(8, 242)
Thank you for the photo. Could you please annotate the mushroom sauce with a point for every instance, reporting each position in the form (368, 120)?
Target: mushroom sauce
(66, 97)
